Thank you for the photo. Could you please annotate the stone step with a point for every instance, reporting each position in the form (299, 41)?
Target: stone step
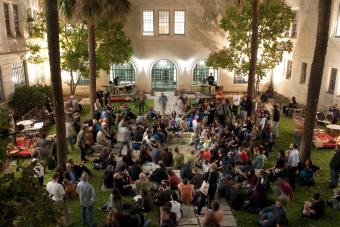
(188, 211)
(188, 222)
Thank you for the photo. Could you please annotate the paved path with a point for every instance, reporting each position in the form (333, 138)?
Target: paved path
(171, 104)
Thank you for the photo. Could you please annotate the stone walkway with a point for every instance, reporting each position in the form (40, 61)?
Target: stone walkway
(189, 219)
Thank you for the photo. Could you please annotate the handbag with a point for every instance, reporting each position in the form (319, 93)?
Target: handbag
(205, 186)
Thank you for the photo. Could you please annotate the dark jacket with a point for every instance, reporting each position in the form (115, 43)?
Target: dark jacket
(276, 115)
(335, 162)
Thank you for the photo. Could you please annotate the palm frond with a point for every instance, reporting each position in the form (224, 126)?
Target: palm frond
(66, 8)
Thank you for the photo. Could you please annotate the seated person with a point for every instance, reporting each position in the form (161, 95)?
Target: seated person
(314, 209)
(79, 169)
(335, 201)
(272, 215)
(236, 198)
(259, 161)
(121, 182)
(70, 174)
(115, 202)
(166, 220)
(144, 200)
(135, 170)
(186, 191)
(108, 178)
(257, 199)
(143, 183)
(159, 174)
(173, 180)
(306, 175)
(287, 110)
(277, 170)
(225, 187)
(178, 158)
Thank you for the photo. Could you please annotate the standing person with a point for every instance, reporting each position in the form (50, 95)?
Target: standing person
(211, 178)
(141, 102)
(222, 111)
(124, 137)
(236, 102)
(334, 166)
(86, 194)
(81, 142)
(255, 109)
(163, 100)
(245, 107)
(293, 162)
(57, 192)
(276, 119)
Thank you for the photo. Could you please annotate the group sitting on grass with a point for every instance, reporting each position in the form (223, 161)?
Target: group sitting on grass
(230, 144)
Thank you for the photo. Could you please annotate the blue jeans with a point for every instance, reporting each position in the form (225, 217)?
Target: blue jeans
(335, 177)
(83, 215)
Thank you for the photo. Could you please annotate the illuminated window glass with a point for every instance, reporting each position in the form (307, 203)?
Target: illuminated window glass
(201, 72)
(148, 29)
(164, 22)
(179, 22)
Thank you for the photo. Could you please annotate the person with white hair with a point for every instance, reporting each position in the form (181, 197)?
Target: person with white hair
(102, 136)
(86, 194)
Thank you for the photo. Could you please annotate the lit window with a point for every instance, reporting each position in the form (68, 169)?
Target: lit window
(337, 27)
(303, 75)
(239, 77)
(332, 81)
(292, 31)
(201, 73)
(288, 69)
(124, 73)
(16, 20)
(148, 29)
(19, 75)
(164, 22)
(7, 21)
(179, 22)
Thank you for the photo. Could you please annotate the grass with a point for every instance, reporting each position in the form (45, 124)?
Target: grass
(321, 158)
(95, 180)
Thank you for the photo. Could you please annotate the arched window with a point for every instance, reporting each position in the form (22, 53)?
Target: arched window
(164, 75)
(201, 72)
(125, 73)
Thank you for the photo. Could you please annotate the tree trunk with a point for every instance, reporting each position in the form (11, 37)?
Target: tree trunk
(71, 83)
(92, 64)
(57, 91)
(316, 74)
(254, 49)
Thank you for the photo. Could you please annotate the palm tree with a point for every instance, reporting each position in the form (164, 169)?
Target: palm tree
(54, 58)
(254, 49)
(90, 12)
(316, 77)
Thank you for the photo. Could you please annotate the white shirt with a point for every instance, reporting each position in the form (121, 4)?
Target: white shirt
(293, 159)
(39, 169)
(56, 190)
(205, 167)
(176, 208)
(236, 100)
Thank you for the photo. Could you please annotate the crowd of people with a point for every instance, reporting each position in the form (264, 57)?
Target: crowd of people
(229, 147)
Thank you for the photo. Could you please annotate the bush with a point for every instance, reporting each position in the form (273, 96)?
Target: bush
(28, 98)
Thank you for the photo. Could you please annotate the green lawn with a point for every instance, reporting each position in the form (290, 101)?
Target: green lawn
(320, 158)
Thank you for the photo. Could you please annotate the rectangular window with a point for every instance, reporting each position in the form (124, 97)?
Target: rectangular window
(179, 22)
(82, 80)
(148, 29)
(19, 76)
(164, 22)
(337, 25)
(239, 77)
(16, 20)
(7, 21)
(289, 69)
(303, 75)
(332, 81)
(292, 31)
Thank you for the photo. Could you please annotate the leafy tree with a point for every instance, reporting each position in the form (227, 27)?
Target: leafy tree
(274, 20)
(113, 47)
(92, 12)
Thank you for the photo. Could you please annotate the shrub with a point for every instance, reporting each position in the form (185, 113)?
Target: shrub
(28, 98)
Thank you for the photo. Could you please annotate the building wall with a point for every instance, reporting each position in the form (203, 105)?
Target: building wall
(202, 36)
(304, 46)
(12, 47)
